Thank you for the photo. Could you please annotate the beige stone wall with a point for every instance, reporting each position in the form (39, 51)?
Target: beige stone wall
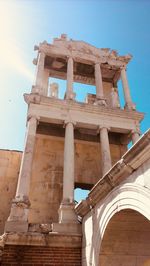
(47, 173)
(9, 169)
(126, 240)
(46, 180)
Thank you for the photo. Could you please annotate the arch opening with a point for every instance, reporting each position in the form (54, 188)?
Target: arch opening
(126, 240)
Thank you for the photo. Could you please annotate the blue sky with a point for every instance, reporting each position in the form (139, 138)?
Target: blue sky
(121, 25)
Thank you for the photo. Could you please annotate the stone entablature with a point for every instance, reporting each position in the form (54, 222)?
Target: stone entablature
(85, 115)
(130, 161)
(36, 239)
(83, 51)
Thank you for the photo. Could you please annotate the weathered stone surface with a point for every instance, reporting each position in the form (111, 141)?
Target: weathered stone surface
(9, 170)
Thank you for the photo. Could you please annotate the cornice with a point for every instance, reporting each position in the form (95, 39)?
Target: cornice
(130, 161)
(37, 239)
(84, 51)
(82, 107)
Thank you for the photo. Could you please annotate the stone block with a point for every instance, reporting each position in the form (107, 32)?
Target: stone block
(67, 228)
(16, 226)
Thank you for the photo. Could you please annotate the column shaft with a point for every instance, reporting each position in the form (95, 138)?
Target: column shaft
(27, 158)
(135, 136)
(69, 92)
(105, 150)
(68, 177)
(98, 82)
(18, 218)
(40, 73)
(126, 90)
(45, 82)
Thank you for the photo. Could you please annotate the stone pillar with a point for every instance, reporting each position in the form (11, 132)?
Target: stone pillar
(54, 90)
(135, 134)
(39, 82)
(115, 98)
(45, 82)
(66, 211)
(128, 102)
(68, 177)
(18, 219)
(69, 93)
(99, 85)
(105, 150)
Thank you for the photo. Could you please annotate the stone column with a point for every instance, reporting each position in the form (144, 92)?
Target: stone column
(135, 134)
(18, 218)
(128, 102)
(54, 90)
(45, 82)
(99, 85)
(115, 98)
(105, 149)
(69, 93)
(40, 73)
(68, 176)
(66, 211)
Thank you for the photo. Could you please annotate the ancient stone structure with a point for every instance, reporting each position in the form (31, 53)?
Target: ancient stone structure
(71, 144)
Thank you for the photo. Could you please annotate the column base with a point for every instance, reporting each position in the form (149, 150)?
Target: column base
(100, 101)
(70, 96)
(67, 228)
(130, 106)
(16, 226)
(67, 213)
(18, 218)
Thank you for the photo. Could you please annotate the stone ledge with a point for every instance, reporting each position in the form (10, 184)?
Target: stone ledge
(67, 228)
(80, 106)
(37, 239)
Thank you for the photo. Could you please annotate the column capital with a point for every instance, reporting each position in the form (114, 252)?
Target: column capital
(103, 126)
(136, 130)
(69, 122)
(37, 118)
(41, 56)
(97, 63)
(124, 67)
(70, 57)
(41, 52)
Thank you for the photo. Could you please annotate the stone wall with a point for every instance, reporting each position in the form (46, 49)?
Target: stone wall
(9, 170)
(47, 173)
(126, 240)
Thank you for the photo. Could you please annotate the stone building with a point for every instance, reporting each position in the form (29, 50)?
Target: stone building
(71, 144)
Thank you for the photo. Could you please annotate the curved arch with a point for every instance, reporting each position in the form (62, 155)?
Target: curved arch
(126, 196)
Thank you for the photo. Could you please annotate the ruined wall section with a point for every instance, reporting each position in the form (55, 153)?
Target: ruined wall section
(47, 173)
(109, 94)
(9, 170)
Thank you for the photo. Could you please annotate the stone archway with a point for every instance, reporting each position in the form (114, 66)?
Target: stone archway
(126, 196)
(126, 241)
